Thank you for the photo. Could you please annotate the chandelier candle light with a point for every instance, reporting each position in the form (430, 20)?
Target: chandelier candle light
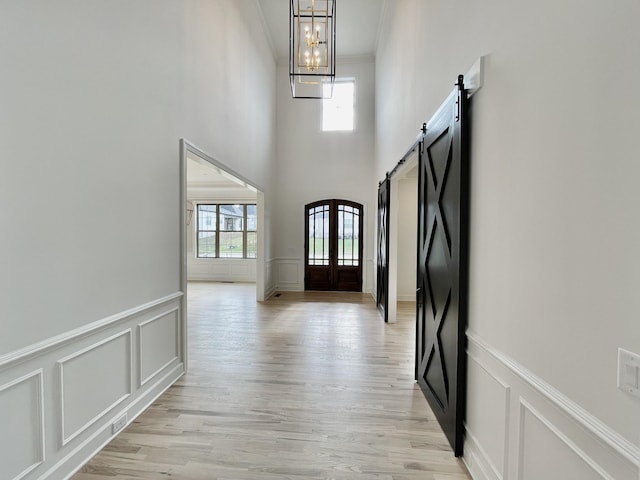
(312, 49)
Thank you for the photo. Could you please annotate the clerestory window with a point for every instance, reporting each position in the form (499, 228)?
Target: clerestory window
(338, 112)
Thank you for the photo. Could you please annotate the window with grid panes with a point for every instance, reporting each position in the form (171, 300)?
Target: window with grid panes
(226, 231)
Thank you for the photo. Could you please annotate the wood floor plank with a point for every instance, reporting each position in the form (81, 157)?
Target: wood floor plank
(307, 385)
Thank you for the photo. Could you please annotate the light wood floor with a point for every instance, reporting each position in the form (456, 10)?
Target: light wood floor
(303, 386)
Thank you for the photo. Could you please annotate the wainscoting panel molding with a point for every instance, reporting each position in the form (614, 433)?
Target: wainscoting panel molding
(477, 460)
(58, 341)
(368, 278)
(290, 274)
(198, 270)
(519, 427)
(221, 269)
(92, 382)
(545, 452)
(60, 397)
(22, 421)
(240, 270)
(488, 417)
(270, 281)
(158, 346)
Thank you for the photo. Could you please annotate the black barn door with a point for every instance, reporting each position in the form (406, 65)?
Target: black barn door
(382, 277)
(442, 265)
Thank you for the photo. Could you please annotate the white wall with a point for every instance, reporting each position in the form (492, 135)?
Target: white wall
(407, 237)
(232, 97)
(314, 165)
(95, 96)
(554, 231)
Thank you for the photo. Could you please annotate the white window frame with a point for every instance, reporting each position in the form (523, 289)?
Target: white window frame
(331, 108)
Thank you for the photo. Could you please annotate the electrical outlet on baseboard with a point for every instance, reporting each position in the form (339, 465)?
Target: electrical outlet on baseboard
(119, 424)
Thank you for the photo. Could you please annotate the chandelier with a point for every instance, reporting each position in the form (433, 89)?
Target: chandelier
(312, 49)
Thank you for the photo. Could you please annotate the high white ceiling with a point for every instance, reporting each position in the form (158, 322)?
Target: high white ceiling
(199, 174)
(357, 23)
(204, 177)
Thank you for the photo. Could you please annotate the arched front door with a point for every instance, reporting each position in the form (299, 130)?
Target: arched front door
(333, 246)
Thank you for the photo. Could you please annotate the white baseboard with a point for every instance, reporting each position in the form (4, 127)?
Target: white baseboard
(82, 454)
(270, 292)
(406, 297)
(477, 461)
(289, 274)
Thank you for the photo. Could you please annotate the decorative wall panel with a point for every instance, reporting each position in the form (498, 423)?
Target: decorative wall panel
(289, 274)
(488, 415)
(239, 271)
(221, 269)
(519, 427)
(22, 421)
(545, 452)
(93, 381)
(59, 398)
(158, 344)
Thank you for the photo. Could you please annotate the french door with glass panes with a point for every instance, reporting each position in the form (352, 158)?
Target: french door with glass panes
(333, 246)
